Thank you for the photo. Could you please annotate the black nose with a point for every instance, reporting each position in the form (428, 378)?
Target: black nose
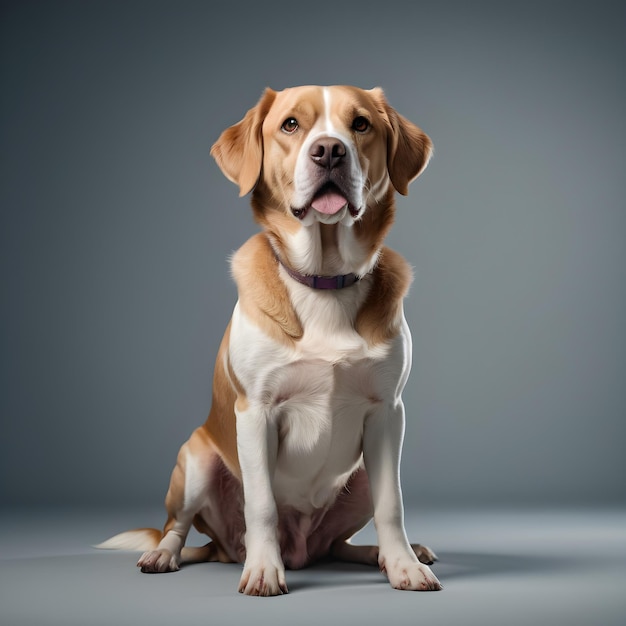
(327, 152)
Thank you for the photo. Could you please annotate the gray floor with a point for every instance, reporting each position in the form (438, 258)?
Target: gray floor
(502, 567)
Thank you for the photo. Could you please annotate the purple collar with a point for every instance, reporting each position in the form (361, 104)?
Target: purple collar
(321, 282)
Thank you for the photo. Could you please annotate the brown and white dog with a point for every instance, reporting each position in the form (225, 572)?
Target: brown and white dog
(302, 444)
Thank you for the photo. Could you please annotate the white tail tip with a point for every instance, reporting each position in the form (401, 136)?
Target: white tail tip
(139, 540)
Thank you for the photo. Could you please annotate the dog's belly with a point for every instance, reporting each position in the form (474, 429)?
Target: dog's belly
(303, 537)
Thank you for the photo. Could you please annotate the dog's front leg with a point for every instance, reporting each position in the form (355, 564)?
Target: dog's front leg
(257, 445)
(382, 443)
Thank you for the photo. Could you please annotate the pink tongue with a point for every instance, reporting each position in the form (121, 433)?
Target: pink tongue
(329, 203)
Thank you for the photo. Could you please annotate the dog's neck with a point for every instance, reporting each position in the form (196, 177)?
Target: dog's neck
(328, 239)
(325, 282)
(324, 250)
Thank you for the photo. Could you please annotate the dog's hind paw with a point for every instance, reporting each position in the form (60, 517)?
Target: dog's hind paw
(158, 562)
(424, 554)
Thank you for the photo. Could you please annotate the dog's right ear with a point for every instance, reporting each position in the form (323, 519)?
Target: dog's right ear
(239, 149)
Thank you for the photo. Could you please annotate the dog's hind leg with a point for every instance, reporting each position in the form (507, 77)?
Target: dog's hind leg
(368, 555)
(351, 512)
(188, 493)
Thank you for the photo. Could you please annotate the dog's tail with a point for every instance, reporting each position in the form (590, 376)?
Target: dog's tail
(139, 540)
(145, 539)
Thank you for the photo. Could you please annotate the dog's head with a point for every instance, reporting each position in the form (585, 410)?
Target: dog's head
(322, 154)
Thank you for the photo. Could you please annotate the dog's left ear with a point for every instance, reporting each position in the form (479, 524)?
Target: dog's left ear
(408, 148)
(239, 149)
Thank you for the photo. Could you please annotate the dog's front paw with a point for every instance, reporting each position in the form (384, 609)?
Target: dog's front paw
(158, 562)
(405, 573)
(263, 580)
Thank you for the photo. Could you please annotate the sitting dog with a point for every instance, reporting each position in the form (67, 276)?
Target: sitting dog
(302, 444)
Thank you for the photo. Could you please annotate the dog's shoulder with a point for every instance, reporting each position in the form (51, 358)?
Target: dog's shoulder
(380, 317)
(263, 296)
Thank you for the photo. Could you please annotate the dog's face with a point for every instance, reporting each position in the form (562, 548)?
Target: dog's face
(322, 153)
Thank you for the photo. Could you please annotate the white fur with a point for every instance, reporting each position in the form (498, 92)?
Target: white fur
(305, 252)
(140, 539)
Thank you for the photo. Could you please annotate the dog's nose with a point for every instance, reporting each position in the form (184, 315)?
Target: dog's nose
(327, 152)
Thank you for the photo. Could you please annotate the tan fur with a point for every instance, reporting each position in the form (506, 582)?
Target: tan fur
(220, 425)
(239, 153)
(379, 319)
(262, 294)
(408, 148)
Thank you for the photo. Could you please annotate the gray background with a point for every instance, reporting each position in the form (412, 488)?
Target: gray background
(117, 225)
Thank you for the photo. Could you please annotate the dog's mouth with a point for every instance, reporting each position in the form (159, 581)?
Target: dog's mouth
(328, 200)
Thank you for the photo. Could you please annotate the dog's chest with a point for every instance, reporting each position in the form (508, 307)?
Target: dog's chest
(317, 394)
(319, 409)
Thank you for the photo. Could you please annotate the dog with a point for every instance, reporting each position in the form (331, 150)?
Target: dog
(302, 444)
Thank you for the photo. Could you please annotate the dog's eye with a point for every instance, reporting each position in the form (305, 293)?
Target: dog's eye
(290, 125)
(360, 124)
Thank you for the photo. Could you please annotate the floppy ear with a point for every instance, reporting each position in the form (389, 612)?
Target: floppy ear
(239, 149)
(408, 148)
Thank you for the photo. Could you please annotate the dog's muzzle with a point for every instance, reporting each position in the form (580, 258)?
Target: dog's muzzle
(329, 157)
